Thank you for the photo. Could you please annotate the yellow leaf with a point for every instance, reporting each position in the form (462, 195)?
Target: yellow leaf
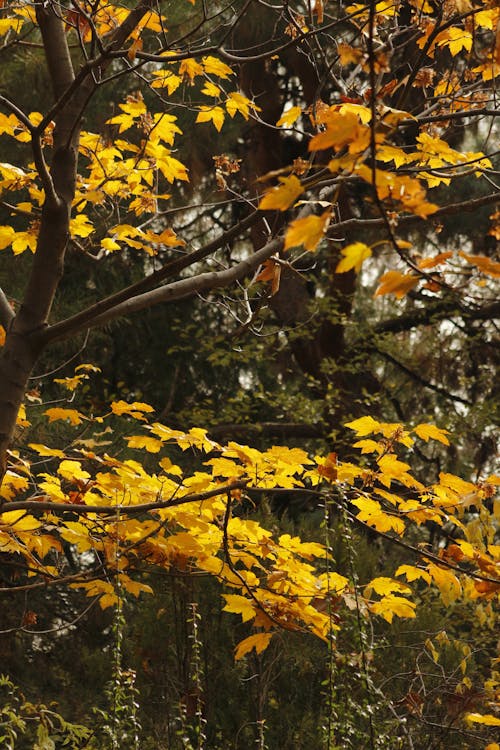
(258, 641)
(21, 420)
(307, 231)
(372, 514)
(431, 432)
(485, 264)
(240, 605)
(135, 409)
(281, 198)
(7, 235)
(341, 129)
(2, 336)
(210, 89)
(413, 573)
(73, 471)
(212, 114)
(447, 583)
(369, 446)
(391, 605)
(214, 66)
(394, 282)
(289, 117)
(134, 587)
(190, 68)
(71, 415)
(488, 719)
(383, 586)
(354, 256)
(152, 445)
(237, 102)
(42, 450)
(364, 426)
(19, 520)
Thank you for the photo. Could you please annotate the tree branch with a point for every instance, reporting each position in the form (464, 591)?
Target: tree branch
(429, 315)
(7, 314)
(171, 268)
(170, 292)
(32, 506)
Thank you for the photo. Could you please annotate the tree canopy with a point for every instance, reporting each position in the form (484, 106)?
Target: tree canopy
(277, 222)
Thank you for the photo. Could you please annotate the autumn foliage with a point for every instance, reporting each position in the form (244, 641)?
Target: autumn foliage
(380, 135)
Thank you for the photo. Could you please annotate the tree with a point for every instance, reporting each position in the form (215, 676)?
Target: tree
(330, 144)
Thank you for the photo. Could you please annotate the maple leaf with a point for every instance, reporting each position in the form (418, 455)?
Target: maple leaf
(281, 197)
(237, 102)
(431, 432)
(308, 231)
(70, 415)
(397, 283)
(152, 445)
(240, 605)
(212, 65)
(413, 573)
(258, 641)
(136, 409)
(289, 117)
(271, 271)
(371, 513)
(354, 257)
(43, 450)
(341, 129)
(391, 605)
(212, 114)
(487, 719)
(364, 426)
(485, 264)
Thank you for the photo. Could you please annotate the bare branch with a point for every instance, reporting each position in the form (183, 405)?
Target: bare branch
(6, 312)
(173, 267)
(170, 292)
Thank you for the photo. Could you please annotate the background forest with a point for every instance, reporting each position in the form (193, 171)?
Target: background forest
(386, 306)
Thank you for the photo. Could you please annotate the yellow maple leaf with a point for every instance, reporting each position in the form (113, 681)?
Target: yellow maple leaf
(237, 102)
(341, 129)
(19, 520)
(73, 471)
(43, 450)
(308, 231)
(397, 283)
(383, 586)
(212, 114)
(239, 605)
(2, 336)
(431, 432)
(413, 573)
(210, 89)
(485, 264)
(71, 415)
(214, 66)
(354, 256)
(289, 117)
(136, 409)
(372, 514)
(391, 605)
(190, 68)
(488, 719)
(447, 583)
(7, 235)
(364, 426)
(152, 445)
(281, 197)
(258, 641)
